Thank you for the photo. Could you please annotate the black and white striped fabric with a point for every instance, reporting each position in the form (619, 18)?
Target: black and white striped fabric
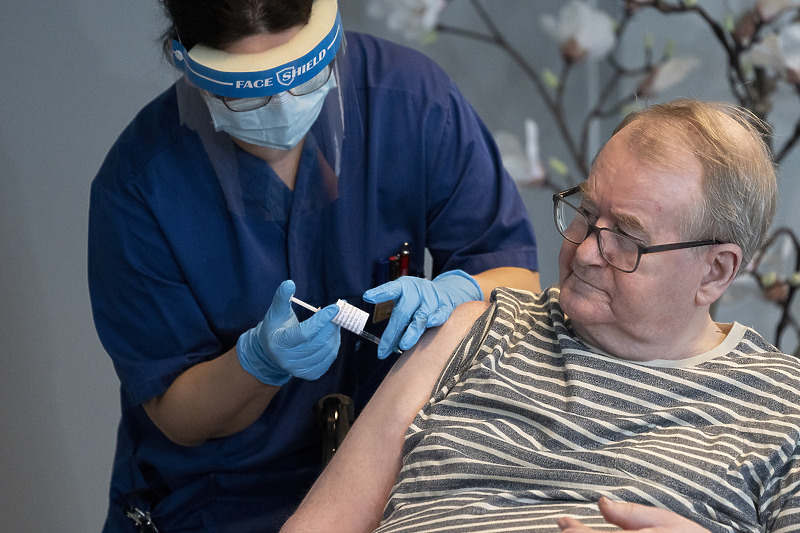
(528, 424)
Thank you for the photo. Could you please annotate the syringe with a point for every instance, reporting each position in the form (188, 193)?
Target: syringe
(349, 317)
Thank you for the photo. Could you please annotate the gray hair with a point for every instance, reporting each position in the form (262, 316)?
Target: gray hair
(739, 188)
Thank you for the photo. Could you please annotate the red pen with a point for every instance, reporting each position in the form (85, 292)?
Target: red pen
(405, 256)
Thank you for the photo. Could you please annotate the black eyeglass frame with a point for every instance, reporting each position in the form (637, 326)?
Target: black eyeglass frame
(592, 228)
(260, 101)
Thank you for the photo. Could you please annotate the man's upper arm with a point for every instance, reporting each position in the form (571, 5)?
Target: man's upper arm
(353, 490)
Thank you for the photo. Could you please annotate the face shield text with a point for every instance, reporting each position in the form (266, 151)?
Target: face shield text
(255, 84)
(287, 76)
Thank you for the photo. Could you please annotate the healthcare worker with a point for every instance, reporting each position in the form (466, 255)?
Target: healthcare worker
(289, 158)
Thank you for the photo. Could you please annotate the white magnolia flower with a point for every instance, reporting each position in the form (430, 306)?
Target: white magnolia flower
(769, 275)
(770, 9)
(756, 13)
(412, 18)
(779, 52)
(668, 74)
(581, 31)
(776, 262)
(523, 163)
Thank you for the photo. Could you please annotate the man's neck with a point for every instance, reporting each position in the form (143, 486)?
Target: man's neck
(667, 345)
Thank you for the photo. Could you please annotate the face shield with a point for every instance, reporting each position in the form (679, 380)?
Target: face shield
(281, 93)
(272, 71)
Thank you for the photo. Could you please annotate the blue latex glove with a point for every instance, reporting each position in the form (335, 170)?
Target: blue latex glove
(280, 347)
(420, 304)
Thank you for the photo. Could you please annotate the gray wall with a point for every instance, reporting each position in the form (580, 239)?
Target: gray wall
(74, 73)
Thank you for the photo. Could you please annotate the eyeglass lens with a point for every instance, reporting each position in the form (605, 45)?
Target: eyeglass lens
(250, 104)
(314, 83)
(620, 252)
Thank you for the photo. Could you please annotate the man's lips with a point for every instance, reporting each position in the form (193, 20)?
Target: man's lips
(581, 280)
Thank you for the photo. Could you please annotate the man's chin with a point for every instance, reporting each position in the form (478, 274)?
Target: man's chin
(581, 302)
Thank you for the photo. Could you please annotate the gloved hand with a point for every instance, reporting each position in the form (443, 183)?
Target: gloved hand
(280, 347)
(420, 304)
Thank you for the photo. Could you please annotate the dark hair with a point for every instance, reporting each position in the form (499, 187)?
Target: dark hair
(220, 23)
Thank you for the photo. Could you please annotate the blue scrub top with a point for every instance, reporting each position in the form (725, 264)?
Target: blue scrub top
(176, 275)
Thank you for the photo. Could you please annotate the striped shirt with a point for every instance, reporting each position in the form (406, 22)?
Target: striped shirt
(527, 424)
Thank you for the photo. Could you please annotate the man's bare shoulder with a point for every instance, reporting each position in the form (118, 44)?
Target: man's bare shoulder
(470, 310)
(428, 357)
(457, 325)
(464, 316)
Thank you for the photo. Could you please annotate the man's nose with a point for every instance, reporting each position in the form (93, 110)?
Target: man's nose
(588, 252)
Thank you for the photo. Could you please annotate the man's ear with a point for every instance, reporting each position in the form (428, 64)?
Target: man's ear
(723, 262)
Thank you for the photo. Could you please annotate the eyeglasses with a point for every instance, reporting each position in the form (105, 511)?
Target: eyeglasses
(619, 250)
(250, 104)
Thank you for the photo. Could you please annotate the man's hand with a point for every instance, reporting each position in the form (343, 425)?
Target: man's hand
(632, 517)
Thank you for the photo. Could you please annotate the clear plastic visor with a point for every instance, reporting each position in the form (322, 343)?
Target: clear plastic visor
(338, 126)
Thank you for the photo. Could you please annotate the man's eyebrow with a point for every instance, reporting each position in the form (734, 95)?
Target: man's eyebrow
(631, 222)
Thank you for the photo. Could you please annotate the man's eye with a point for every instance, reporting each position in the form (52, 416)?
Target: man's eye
(590, 216)
(631, 237)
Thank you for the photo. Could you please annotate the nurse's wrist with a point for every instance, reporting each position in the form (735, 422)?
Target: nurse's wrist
(463, 286)
(256, 362)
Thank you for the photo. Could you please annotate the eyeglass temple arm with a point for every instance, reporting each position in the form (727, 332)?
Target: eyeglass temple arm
(678, 246)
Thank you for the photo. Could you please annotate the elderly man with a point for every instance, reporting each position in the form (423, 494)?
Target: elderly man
(611, 400)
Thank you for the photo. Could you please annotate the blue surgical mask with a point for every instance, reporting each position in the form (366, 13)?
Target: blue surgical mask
(281, 123)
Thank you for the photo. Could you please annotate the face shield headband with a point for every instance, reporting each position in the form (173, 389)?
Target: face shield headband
(270, 72)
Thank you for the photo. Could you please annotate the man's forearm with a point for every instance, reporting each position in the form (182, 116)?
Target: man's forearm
(352, 492)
